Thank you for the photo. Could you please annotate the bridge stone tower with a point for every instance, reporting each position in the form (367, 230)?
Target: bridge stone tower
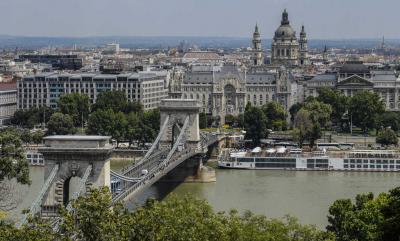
(177, 110)
(74, 156)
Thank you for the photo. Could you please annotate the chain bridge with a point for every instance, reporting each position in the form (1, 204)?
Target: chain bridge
(75, 164)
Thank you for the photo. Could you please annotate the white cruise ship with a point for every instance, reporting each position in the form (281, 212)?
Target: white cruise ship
(295, 159)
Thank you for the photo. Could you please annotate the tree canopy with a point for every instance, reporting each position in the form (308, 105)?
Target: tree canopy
(275, 115)
(60, 124)
(255, 124)
(175, 218)
(365, 108)
(369, 218)
(13, 163)
(387, 137)
(337, 100)
(114, 100)
(31, 117)
(76, 105)
(309, 120)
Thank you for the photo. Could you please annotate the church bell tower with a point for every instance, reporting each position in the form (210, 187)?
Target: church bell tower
(303, 48)
(257, 57)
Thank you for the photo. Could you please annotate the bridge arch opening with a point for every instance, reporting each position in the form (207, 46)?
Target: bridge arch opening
(70, 186)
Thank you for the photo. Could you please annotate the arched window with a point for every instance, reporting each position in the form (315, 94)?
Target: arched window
(191, 96)
(184, 96)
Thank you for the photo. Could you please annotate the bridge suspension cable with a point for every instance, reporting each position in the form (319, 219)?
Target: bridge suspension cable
(154, 172)
(156, 141)
(152, 148)
(35, 207)
(178, 140)
(124, 178)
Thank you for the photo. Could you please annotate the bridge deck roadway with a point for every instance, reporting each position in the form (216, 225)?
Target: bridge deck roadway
(157, 168)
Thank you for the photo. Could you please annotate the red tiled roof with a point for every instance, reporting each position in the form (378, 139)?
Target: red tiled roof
(8, 86)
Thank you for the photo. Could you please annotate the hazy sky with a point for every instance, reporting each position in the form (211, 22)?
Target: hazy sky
(322, 18)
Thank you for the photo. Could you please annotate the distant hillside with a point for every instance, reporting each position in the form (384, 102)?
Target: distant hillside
(164, 42)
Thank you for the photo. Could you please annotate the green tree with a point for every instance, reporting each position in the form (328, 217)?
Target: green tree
(146, 133)
(390, 120)
(365, 108)
(387, 137)
(114, 100)
(230, 119)
(37, 137)
(174, 218)
(320, 113)
(390, 228)
(276, 115)
(13, 163)
(337, 100)
(119, 130)
(133, 106)
(293, 111)
(76, 105)
(152, 119)
(133, 127)
(309, 120)
(101, 122)
(240, 120)
(31, 117)
(303, 126)
(26, 136)
(97, 222)
(255, 124)
(362, 220)
(60, 124)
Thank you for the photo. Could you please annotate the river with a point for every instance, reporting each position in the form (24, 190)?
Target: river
(304, 194)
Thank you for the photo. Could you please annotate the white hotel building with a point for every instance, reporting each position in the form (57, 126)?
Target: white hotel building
(147, 87)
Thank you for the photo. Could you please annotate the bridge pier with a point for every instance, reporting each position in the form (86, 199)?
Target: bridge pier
(74, 155)
(191, 170)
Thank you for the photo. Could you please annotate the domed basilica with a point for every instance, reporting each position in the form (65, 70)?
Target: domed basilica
(286, 49)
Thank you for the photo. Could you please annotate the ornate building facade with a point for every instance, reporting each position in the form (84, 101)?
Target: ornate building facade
(225, 90)
(286, 49)
(355, 76)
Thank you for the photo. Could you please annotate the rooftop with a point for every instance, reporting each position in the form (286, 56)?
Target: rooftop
(355, 67)
(4, 86)
(77, 138)
(76, 142)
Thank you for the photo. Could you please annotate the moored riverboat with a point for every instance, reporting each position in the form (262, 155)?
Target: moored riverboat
(295, 159)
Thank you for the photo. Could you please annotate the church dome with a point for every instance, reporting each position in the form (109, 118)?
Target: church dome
(285, 31)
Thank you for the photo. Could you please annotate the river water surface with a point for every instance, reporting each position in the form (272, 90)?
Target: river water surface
(304, 194)
(275, 193)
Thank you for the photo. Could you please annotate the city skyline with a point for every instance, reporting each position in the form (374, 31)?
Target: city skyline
(322, 19)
